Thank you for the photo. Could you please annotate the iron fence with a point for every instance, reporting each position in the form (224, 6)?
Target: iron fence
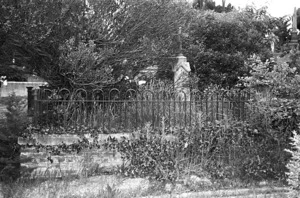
(224, 148)
(114, 110)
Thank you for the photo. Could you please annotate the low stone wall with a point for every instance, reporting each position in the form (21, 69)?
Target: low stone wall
(86, 162)
(19, 88)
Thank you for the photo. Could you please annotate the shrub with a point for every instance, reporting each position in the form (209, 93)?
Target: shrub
(271, 123)
(275, 114)
(149, 155)
(10, 129)
(294, 165)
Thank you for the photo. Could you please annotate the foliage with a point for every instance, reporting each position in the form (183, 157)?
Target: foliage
(16, 108)
(143, 36)
(219, 59)
(32, 32)
(11, 128)
(225, 150)
(281, 79)
(148, 157)
(75, 147)
(81, 65)
(275, 108)
(282, 31)
(294, 164)
(110, 192)
(127, 36)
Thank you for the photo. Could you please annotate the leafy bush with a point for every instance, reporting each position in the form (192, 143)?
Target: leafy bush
(275, 113)
(294, 165)
(149, 155)
(10, 129)
(220, 59)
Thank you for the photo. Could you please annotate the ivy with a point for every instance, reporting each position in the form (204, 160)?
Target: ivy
(58, 149)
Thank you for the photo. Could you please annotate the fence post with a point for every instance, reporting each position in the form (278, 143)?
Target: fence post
(29, 101)
(36, 110)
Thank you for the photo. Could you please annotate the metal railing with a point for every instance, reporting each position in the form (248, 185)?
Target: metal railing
(125, 111)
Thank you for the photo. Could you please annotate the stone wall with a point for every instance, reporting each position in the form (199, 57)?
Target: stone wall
(19, 88)
(86, 162)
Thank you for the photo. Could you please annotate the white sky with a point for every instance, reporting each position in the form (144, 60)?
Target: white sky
(276, 8)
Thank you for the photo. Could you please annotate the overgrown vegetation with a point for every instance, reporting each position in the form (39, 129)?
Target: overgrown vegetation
(105, 44)
(250, 150)
(294, 165)
(228, 150)
(124, 37)
(11, 127)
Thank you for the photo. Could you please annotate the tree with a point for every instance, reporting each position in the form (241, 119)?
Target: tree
(219, 43)
(282, 31)
(81, 64)
(31, 32)
(128, 36)
(135, 34)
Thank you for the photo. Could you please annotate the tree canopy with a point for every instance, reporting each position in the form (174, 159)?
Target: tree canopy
(98, 43)
(219, 43)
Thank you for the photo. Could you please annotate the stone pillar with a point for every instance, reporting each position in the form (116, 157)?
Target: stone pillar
(293, 44)
(30, 101)
(36, 110)
(181, 71)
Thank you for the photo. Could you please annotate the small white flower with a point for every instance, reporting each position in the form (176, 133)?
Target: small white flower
(186, 145)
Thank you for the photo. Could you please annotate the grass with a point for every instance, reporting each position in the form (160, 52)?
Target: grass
(105, 187)
(108, 186)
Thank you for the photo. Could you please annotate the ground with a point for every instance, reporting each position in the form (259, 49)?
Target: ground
(113, 186)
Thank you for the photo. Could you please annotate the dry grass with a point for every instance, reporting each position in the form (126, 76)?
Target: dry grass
(107, 187)
(100, 187)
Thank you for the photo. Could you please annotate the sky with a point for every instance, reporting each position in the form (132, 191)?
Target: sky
(276, 8)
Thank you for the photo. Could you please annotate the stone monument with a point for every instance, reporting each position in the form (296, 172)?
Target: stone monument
(181, 71)
(293, 44)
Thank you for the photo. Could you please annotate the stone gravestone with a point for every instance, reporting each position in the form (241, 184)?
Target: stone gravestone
(181, 71)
